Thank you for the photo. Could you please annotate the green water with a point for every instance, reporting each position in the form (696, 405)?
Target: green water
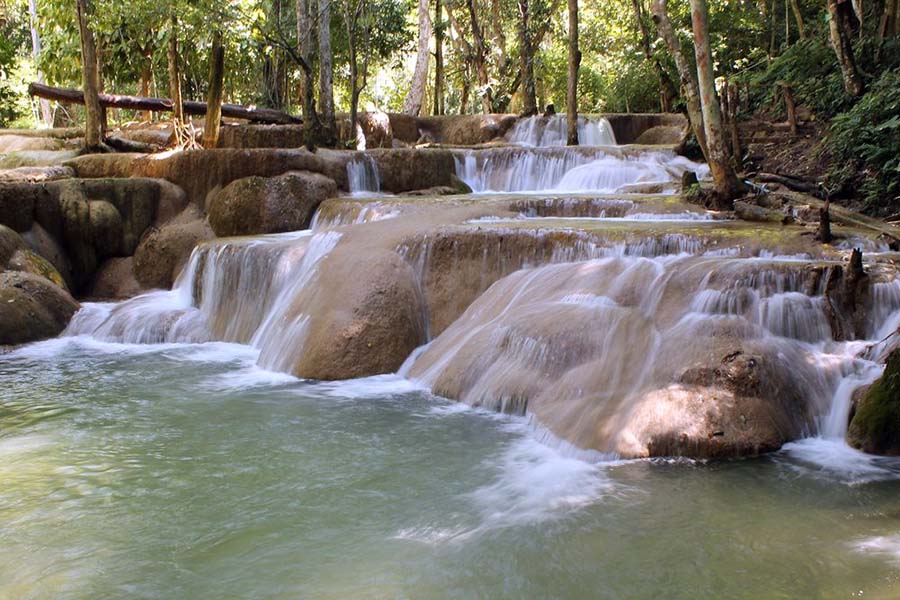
(184, 472)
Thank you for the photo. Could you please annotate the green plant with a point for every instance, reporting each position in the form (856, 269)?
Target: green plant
(865, 142)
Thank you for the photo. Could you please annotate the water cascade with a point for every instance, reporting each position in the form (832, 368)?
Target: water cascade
(664, 334)
(362, 174)
(552, 131)
(578, 169)
(246, 290)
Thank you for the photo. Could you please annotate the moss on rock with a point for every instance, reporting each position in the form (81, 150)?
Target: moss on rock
(875, 427)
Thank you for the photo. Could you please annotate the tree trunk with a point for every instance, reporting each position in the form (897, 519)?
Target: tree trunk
(798, 16)
(90, 69)
(480, 58)
(326, 74)
(175, 78)
(686, 73)
(46, 111)
(146, 77)
(667, 93)
(572, 83)
(840, 40)
(526, 61)
(416, 96)
(216, 91)
(727, 184)
(438, 59)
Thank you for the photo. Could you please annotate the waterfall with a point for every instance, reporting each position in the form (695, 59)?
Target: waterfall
(363, 175)
(541, 131)
(576, 169)
(235, 290)
(607, 352)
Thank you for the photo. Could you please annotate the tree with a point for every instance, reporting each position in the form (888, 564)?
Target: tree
(358, 26)
(46, 112)
(326, 74)
(416, 95)
(727, 184)
(175, 79)
(526, 60)
(438, 59)
(839, 26)
(90, 69)
(572, 84)
(215, 92)
(686, 72)
(667, 93)
(480, 59)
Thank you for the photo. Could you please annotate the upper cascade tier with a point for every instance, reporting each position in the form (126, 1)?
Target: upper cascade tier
(552, 130)
(573, 169)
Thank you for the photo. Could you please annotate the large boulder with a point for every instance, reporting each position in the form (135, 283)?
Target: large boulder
(256, 205)
(32, 308)
(366, 317)
(164, 250)
(875, 427)
(115, 280)
(406, 169)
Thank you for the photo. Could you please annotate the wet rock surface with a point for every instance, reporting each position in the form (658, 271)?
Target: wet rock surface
(875, 427)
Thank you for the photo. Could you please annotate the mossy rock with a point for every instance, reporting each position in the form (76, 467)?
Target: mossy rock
(875, 427)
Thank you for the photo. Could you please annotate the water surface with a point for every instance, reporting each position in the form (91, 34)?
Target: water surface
(185, 471)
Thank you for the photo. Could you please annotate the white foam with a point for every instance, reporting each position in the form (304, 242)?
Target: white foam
(884, 546)
(378, 385)
(833, 459)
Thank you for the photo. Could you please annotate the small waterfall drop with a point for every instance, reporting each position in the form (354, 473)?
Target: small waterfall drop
(363, 175)
(539, 131)
(234, 290)
(570, 169)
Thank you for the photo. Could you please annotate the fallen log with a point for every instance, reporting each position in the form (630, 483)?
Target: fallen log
(792, 183)
(233, 111)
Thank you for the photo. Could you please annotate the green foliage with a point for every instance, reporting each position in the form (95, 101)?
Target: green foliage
(811, 69)
(13, 44)
(865, 142)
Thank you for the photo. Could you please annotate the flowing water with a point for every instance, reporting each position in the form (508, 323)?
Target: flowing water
(185, 471)
(159, 450)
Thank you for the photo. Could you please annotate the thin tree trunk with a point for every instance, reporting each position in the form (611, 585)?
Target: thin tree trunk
(480, 59)
(798, 16)
(667, 93)
(843, 48)
(686, 73)
(146, 76)
(438, 59)
(46, 111)
(326, 74)
(216, 91)
(526, 61)
(90, 69)
(727, 184)
(572, 83)
(416, 96)
(175, 76)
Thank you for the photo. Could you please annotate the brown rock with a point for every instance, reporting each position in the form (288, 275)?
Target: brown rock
(32, 308)
(256, 205)
(115, 280)
(164, 250)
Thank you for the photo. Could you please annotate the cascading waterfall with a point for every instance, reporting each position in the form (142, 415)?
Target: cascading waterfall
(553, 131)
(616, 384)
(570, 169)
(363, 175)
(242, 291)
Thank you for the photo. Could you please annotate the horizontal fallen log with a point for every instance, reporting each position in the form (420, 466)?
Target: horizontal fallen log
(792, 183)
(232, 111)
